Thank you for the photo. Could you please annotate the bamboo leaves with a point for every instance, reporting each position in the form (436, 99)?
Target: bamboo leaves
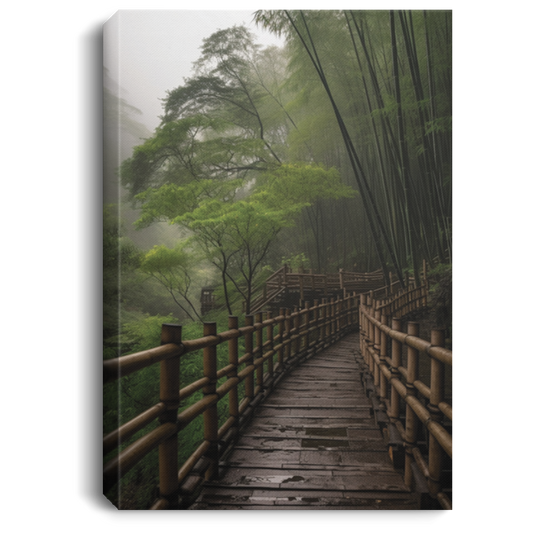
(386, 76)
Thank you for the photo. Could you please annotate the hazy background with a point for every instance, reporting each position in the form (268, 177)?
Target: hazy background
(147, 53)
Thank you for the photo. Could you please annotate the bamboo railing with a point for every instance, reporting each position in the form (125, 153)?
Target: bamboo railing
(418, 413)
(277, 343)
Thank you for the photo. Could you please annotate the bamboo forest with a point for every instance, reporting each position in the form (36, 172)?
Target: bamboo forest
(329, 153)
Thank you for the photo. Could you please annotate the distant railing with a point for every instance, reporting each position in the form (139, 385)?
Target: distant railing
(272, 345)
(304, 281)
(411, 404)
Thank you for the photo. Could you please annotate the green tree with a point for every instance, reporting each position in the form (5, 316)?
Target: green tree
(218, 126)
(236, 235)
(173, 269)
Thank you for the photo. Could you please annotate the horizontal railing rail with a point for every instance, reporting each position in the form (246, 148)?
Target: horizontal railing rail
(272, 345)
(413, 405)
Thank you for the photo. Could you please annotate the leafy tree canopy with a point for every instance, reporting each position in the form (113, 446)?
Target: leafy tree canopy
(172, 268)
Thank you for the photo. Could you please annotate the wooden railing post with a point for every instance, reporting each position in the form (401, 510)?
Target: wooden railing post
(339, 315)
(259, 351)
(169, 394)
(270, 341)
(296, 325)
(332, 317)
(411, 420)
(307, 321)
(362, 320)
(288, 333)
(376, 345)
(323, 320)
(436, 397)
(210, 414)
(233, 352)
(383, 389)
(249, 351)
(395, 373)
(370, 331)
(281, 332)
(328, 320)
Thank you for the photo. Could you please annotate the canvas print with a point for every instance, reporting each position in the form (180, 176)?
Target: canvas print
(277, 273)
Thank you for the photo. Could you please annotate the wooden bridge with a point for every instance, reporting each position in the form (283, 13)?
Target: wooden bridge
(327, 406)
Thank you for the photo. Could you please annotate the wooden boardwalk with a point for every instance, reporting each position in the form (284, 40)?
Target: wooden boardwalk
(313, 444)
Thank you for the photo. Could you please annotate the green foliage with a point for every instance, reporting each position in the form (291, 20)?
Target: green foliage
(173, 268)
(297, 261)
(120, 259)
(296, 185)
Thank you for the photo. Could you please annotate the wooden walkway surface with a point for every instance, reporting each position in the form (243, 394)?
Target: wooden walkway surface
(313, 444)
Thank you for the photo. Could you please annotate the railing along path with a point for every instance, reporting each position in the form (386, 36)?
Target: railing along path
(413, 415)
(420, 417)
(289, 336)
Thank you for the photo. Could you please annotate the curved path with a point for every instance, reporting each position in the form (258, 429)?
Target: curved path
(313, 444)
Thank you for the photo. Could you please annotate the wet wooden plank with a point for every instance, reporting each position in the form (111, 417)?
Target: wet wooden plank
(301, 479)
(325, 422)
(312, 445)
(231, 498)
